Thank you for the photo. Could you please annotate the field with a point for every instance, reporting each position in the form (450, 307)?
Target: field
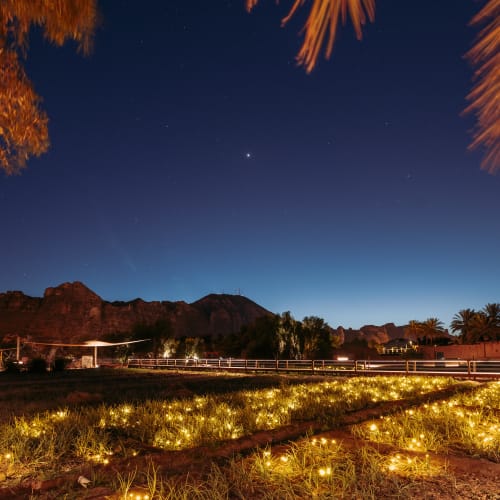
(97, 434)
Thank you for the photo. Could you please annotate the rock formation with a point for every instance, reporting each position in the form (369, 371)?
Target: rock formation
(71, 312)
(373, 333)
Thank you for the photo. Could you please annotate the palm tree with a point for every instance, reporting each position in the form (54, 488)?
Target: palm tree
(23, 123)
(492, 313)
(461, 322)
(431, 328)
(321, 26)
(413, 329)
(479, 327)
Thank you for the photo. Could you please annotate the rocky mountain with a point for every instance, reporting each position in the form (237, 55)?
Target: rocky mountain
(73, 312)
(373, 333)
(381, 334)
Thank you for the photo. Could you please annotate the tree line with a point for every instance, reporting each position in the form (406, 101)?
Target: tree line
(281, 336)
(278, 336)
(478, 326)
(469, 325)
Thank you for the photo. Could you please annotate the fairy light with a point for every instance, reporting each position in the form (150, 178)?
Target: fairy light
(325, 471)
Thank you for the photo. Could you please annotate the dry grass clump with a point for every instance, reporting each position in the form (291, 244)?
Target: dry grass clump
(312, 468)
(465, 423)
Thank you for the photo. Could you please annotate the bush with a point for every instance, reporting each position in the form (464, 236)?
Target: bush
(12, 366)
(37, 365)
(60, 364)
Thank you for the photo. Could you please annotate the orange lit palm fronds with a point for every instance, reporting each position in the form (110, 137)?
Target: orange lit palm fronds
(322, 24)
(485, 95)
(23, 124)
(61, 20)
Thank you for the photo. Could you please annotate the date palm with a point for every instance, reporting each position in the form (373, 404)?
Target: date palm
(461, 322)
(492, 313)
(321, 27)
(479, 328)
(413, 329)
(431, 328)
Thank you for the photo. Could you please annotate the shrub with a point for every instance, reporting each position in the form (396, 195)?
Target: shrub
(60, 364)
(12, 366)
(37, 365)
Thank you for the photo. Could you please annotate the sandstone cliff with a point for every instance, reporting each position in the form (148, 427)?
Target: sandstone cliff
(377, 334)
(73, 312)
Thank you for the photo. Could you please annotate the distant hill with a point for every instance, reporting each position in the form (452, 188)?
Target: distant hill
(73, 312)
(379, 334)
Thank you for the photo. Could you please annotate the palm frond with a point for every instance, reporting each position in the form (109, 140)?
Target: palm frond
(23, 123)
(322, 22)
(485, 95)
(61, 20)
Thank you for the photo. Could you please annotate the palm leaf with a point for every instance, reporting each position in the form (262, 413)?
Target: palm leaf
(23, 123)
(322, 22)
(485, 96)
(321, 28)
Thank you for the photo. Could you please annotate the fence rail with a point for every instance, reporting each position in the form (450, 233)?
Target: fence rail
(462, 368)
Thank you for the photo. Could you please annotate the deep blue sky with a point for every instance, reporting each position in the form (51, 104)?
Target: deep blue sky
(190, 155)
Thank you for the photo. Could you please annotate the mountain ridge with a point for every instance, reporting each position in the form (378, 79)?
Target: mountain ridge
(72, 311)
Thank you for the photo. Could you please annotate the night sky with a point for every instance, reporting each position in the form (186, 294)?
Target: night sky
(190, 155)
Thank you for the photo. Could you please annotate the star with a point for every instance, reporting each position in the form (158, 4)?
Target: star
(248, 155)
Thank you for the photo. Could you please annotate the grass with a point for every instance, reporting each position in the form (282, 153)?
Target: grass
(67, 438)
(28, 393)
(324, 468)
(96, 434)
(466, 423)
(313, 468)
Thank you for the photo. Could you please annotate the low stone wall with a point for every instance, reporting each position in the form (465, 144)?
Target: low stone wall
(483, 350)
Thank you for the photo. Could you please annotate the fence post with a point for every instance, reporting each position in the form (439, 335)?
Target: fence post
(407, 366)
